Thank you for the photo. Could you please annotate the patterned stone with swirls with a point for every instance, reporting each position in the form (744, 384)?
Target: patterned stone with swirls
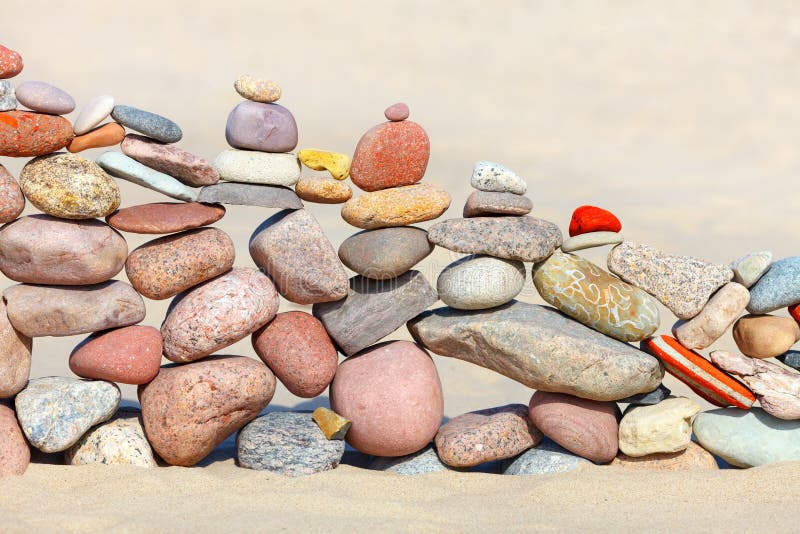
(588, 294)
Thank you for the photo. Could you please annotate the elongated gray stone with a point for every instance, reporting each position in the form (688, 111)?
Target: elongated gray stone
(540, 348)
(778, 288)
(266, 196)
(748, 438)
(547, 458)
(374, 309)
(54, 412)
(513, 238)
(150, 124)
(289, 443)
(121, 166)
(682, 283)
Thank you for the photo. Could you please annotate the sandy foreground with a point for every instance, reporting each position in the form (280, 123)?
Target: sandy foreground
(681, 119)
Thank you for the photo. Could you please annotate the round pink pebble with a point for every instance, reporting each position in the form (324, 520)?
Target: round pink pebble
(15, 455)
(12, 202)
(585, 427)
(296, 347)
(396, 112)
(392, 394)
(128, 355)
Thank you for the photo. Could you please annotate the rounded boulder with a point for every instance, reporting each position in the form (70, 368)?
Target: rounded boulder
(128, 355)
(390, 154)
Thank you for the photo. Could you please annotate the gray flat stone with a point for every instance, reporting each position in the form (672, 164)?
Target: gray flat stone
(121, 166)
(374, 309)
(150, 124)
(778, 288)
(289, 443)
(265, 196)
(419, 463)
(546, 459)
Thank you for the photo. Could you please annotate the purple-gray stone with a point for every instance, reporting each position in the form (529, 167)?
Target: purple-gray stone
(261, 126)
(482, 203)
(265, 196)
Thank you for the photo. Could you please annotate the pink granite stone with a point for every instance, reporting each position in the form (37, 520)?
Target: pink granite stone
(128, 355)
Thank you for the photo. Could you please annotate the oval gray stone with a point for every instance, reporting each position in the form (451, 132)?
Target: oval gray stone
(748, 438)
(778, 288)
(150, 124)
(546, 459)
(418, 463)
(385, 253)
(54, 412)
(289, 443)
(480, 282)
(490, 176)
(540, 348)
(121, 166)
(44, 98)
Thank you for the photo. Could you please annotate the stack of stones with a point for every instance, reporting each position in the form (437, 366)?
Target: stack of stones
(597, 398)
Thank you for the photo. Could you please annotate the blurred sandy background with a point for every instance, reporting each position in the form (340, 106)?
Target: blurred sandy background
(680, 118)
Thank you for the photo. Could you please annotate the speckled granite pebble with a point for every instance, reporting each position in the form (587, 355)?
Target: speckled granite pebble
(15, 454)
(590, 295)
(44, 98)
(748, 269)
(389, 155)
(778, 288)
(128, 355)
(164, 267)
(37, 310)
(418, 463)
(7, 99)
(266, 196)
(397, 206)
(15, 357)
(547, 458)
(294, 251)
(218, 313)
(147, 123)
(591, 240)
(192, 170)
(121, 166)
(165, 217)
(259, 126)
(396, 112)
(480, 282)
(25, 134)
(722, 309)
(513, 238)
(189, 409)
(54, 412)
(69, 186)
(493, 177)
(485, 435)
(289, 443)
(12, 201)
(385, 253)
(119, 441)
(374, 309)
(93, 113)
(483, 203)
(682, 283)
(257, 89)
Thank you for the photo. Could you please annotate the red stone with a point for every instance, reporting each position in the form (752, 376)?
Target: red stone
(587, 219)
(10, 63)
(396, 112)
(15, 455)
(794, 311)
(165, 217)
(390, 155)
(128, 355)
(25, 133)
(296, 347)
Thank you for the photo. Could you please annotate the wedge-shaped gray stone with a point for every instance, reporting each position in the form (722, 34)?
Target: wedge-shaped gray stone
(374, 309)
(55, 411)
(540, 348)
(682, 283)
(748, 438)
(265, 196)
(121, 166)
(513, 238)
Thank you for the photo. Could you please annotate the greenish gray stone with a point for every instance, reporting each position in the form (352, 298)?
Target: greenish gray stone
(748, 269)
(121, 166)
(547, 458)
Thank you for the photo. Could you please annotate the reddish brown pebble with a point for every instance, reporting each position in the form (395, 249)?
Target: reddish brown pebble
(218, 313)
(12, 201)
(15, 455)
(585, 427)
(296, 347)
(188, 410)
(164, 267)
(15, 358)
(493, 434)
(26, 134)
(128, 355)
(10, 63)
(106, 135)
(170, 159)
(392, 394)
(396, 112)
(165, 217)
(390, 155)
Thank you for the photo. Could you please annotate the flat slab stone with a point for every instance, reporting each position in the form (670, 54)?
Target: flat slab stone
(374, 309)
(778, 288)
(591, 240)
(266, 196)
(121, 166)
(514, 238)
(188, 168)
(540, 348)
(480, 203)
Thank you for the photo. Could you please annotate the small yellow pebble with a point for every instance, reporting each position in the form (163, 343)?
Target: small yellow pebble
(333, 425)
(257, 90)
(321, 160)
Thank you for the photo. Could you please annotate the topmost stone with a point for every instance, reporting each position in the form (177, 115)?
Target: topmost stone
(397, 112)
(489, 176)
(152, 125)
(257, 89)
(259, 126)
(10, 63)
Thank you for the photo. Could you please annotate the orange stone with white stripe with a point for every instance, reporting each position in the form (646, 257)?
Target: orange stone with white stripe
(703, 377)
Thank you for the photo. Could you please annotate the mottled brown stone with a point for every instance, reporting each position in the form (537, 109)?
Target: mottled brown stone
(483, 203)
(192, 170)
(165, 217)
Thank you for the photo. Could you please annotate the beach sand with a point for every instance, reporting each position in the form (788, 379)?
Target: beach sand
(681, 119)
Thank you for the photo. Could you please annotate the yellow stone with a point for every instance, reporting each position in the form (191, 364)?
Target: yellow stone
(397, 206)
(333, 425)
(322, 160)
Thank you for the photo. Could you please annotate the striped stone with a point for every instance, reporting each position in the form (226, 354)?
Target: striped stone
(703, 377)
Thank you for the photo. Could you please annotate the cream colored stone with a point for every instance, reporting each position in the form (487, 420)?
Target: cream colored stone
(663, 427)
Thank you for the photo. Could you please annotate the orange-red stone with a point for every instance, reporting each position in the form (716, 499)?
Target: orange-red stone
(10, 63)
(794, 311)
(128, 355)
(107, 135)
(26, 134)
(587, 219)
(390, 154)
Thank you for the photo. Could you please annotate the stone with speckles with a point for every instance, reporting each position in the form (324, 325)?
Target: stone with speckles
(15, 455)
(493, 177)
(128, 355)
(547, 458)
(15, 357)
(257, 89)
(418, 463)
(25, 134)
(190, 169)
(165, 217)
(397, 206)
(8, 100)
(391, 154)
(12, 201)
(778, 288)
(10, 62)
(147, 123)
(119, 441)
(483, 203)
(480, 282)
